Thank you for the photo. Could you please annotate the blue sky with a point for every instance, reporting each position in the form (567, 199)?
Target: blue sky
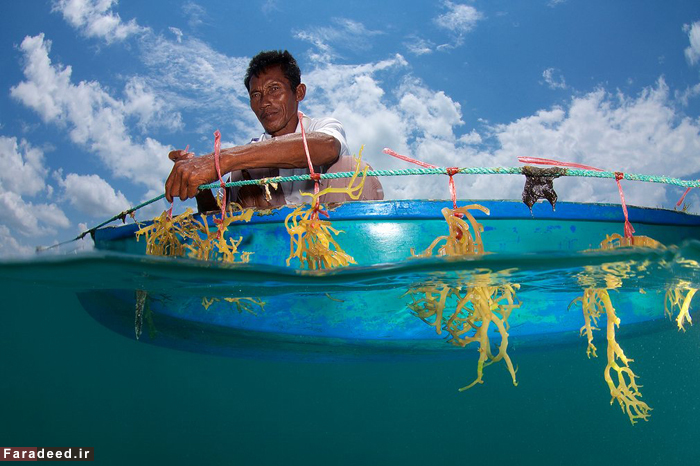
(95, 93)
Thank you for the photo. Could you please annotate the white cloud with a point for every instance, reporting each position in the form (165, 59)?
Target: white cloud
(554, 78)
(459, 18)
(23, 175)
(185, 74)
(431, 114)
(615, 132)
(94, 18)
(269, 6)
(343, 33)
(410, 119)
(690, 93)
(419, 46)
(324, 51)
(354, 95)
(190, 75)
(177, 32)
(473, 137)
(195, 14)
(150, 110)
(93, 196)
(86, 243)
(10, 247)
(23, 170)
(692, 52)
(29, 219)
(196, 72)
(94, 118)
(554, 3)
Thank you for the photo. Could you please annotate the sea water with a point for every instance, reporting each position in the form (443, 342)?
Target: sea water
(68, 380)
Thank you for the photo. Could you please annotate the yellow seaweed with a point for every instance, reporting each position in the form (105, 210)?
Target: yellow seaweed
(476, 311)
(211, 244)
(466, 312)
(164, 235)
(679, 296)
(461, 239)
(591, 314)
(430, 303)
(311, 239)
(616, 240)
(186, 235)
(623, 387)
(207, 302)
(596, 302)
(477, 303)
(242, 304)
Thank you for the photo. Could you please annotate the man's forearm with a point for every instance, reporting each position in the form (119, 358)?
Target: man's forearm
(282, 152)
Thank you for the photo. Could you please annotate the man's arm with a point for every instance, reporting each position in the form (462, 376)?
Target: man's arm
(281, 152)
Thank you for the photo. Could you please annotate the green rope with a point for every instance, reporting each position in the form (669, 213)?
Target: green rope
(466, 171)
(404, 172)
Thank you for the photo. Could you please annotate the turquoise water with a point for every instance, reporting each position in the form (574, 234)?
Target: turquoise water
(68, 380)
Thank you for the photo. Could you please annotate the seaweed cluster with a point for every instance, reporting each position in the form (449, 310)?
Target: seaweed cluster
(468, 310)
(242, 304)
(596, 302)
(312, 240)
(186, 235)
(616, 240)
(679, 296)
(623, 388)
(165, 236)
(466, 313)
(460, 240)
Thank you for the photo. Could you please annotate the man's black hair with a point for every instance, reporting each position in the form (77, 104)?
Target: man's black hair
(264, 60)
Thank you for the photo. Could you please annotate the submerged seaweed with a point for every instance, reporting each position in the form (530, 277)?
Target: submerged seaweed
(468, 310)
(596, 302)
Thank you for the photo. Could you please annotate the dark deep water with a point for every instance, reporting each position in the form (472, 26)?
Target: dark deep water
(68, 381)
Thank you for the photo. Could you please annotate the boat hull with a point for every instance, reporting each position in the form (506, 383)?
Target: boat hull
(266, 308)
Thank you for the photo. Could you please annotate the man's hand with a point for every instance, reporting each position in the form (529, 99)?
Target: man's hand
(188, 174)
(286, 151)
(177, 155)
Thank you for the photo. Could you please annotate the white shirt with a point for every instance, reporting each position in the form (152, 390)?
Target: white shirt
(329, 126)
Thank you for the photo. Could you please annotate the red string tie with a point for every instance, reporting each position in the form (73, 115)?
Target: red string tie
(407, 159)
(680, 201)
(314, 176)
(556, 163)
(451, 171)
(217, 163)
(629, 229)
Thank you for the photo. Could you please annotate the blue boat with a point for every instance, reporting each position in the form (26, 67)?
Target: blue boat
(266, 308)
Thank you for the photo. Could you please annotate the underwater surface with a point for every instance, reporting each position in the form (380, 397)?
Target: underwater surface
(68, 380)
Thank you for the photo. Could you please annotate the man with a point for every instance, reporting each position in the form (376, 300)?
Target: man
(273, 80)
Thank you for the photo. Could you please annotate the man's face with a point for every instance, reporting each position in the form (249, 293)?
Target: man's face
(274, 102)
